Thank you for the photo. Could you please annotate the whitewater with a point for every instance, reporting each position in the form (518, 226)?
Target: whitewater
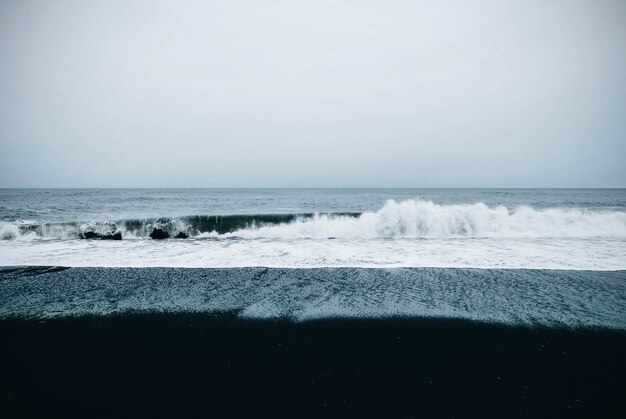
(411, 232)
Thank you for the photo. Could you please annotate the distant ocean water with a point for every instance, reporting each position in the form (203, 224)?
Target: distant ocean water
(579, 229)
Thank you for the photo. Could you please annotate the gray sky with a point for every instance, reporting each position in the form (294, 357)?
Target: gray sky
(306, 94)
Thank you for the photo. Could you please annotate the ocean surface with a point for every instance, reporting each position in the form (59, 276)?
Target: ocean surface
(566, 229)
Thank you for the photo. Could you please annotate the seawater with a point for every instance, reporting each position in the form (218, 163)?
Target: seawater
(576, 229)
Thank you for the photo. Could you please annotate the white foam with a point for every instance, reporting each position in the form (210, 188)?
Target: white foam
(9, 232)
(593, 254)
(425, 219)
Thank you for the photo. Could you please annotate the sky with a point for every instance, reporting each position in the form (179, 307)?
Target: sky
(121, 93)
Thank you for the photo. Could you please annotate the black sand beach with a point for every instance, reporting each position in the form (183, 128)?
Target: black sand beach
(180, 365)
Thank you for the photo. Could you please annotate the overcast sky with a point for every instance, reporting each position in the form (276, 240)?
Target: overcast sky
(312, 94)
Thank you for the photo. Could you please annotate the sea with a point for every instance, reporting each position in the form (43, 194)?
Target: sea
(288, 228)
(547, 257)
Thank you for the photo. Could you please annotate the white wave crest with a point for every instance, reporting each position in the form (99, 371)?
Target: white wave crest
(9, 232)
(425, 219)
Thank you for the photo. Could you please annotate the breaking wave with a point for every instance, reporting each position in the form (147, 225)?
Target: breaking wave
(425, 219)
(410, 219)
(9, 232)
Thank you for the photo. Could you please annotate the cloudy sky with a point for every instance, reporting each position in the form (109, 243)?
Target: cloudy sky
(312, 94)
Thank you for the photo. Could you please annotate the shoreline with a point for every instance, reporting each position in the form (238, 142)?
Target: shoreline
(538, 298)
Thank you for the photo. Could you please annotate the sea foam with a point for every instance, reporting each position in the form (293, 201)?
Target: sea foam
(9, 232)
(425, 219)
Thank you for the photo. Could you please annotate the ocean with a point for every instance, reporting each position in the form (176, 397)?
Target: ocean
(581, 229)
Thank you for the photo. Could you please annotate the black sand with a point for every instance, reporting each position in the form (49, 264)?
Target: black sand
(180, 365)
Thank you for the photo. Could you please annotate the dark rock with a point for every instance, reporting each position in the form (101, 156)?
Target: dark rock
(106, 230)
(93, 235)
(159, 234)
(181, 235)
